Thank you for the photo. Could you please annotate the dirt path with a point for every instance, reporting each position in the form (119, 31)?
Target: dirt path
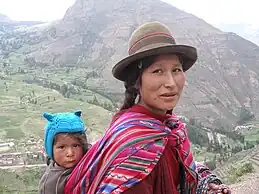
(22, 166)
(250, 185)
(23, 125)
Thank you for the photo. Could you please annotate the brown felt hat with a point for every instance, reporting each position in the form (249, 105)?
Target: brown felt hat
(153, 38)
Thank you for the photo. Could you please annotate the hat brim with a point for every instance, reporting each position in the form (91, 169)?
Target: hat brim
(188, 54)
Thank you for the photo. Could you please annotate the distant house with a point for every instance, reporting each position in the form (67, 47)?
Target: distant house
(4, 146)
(243, 128)
(11, 155)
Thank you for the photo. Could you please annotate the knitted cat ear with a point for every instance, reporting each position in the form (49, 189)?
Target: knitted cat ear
(78, 113)
(48, 116)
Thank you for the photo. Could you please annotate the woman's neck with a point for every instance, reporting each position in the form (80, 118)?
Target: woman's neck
(142, 109)
(152, 109)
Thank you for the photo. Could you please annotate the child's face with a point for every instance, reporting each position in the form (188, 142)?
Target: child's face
(67, 150)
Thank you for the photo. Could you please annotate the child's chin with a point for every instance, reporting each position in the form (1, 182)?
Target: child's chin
(70, 165)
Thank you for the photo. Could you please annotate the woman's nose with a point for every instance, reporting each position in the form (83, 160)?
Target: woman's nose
(169, 80)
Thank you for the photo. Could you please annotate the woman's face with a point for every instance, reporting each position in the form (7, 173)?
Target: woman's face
(162, 84)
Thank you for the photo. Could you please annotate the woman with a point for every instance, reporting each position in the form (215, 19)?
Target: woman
(146, 149)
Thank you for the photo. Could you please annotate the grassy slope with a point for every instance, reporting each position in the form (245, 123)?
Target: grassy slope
(19, 118)
(22, 117)
(23, 181)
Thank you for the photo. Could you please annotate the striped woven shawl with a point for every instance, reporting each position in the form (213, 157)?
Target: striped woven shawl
(128, 152)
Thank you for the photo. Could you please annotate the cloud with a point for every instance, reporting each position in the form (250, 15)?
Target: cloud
(35, 9)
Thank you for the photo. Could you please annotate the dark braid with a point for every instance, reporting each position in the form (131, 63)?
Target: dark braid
(131, 94)
(169, 112)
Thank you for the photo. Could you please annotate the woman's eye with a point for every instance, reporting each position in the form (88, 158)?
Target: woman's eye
(177, 70)
(157, 71)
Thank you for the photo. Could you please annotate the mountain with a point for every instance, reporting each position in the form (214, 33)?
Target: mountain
(4, 18)
(80, 50)
(247, 31)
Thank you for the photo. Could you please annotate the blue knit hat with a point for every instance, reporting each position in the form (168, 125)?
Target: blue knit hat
(61, 123)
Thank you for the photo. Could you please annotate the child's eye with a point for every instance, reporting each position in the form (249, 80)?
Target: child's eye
(61, 147)
(76, 145)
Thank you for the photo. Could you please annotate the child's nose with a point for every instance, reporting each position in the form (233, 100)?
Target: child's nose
(70, 152)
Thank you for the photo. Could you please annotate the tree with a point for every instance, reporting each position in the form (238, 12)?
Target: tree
(196, 134)
(245, 115)
(248, 145)
(63, 89)
(211, 164)
(95, 100)
(236, 149)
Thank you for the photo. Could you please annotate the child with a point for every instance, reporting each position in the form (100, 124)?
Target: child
(65, 144)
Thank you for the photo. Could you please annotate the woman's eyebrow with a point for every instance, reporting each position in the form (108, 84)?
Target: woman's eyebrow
(159, 65)
(177, 65)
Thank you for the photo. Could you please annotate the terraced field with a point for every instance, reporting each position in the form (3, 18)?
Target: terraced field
(250, 156)
(22, 106)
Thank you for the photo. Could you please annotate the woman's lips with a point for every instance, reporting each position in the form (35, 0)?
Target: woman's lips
(168, 96)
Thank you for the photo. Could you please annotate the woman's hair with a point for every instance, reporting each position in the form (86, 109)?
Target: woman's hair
(81, 137)
(133, 81)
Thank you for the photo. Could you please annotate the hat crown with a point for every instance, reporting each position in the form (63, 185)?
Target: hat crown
(152, 39)
(149, 33)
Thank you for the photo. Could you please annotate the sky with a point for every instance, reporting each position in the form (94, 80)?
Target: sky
(214, 12)
(221, 11)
